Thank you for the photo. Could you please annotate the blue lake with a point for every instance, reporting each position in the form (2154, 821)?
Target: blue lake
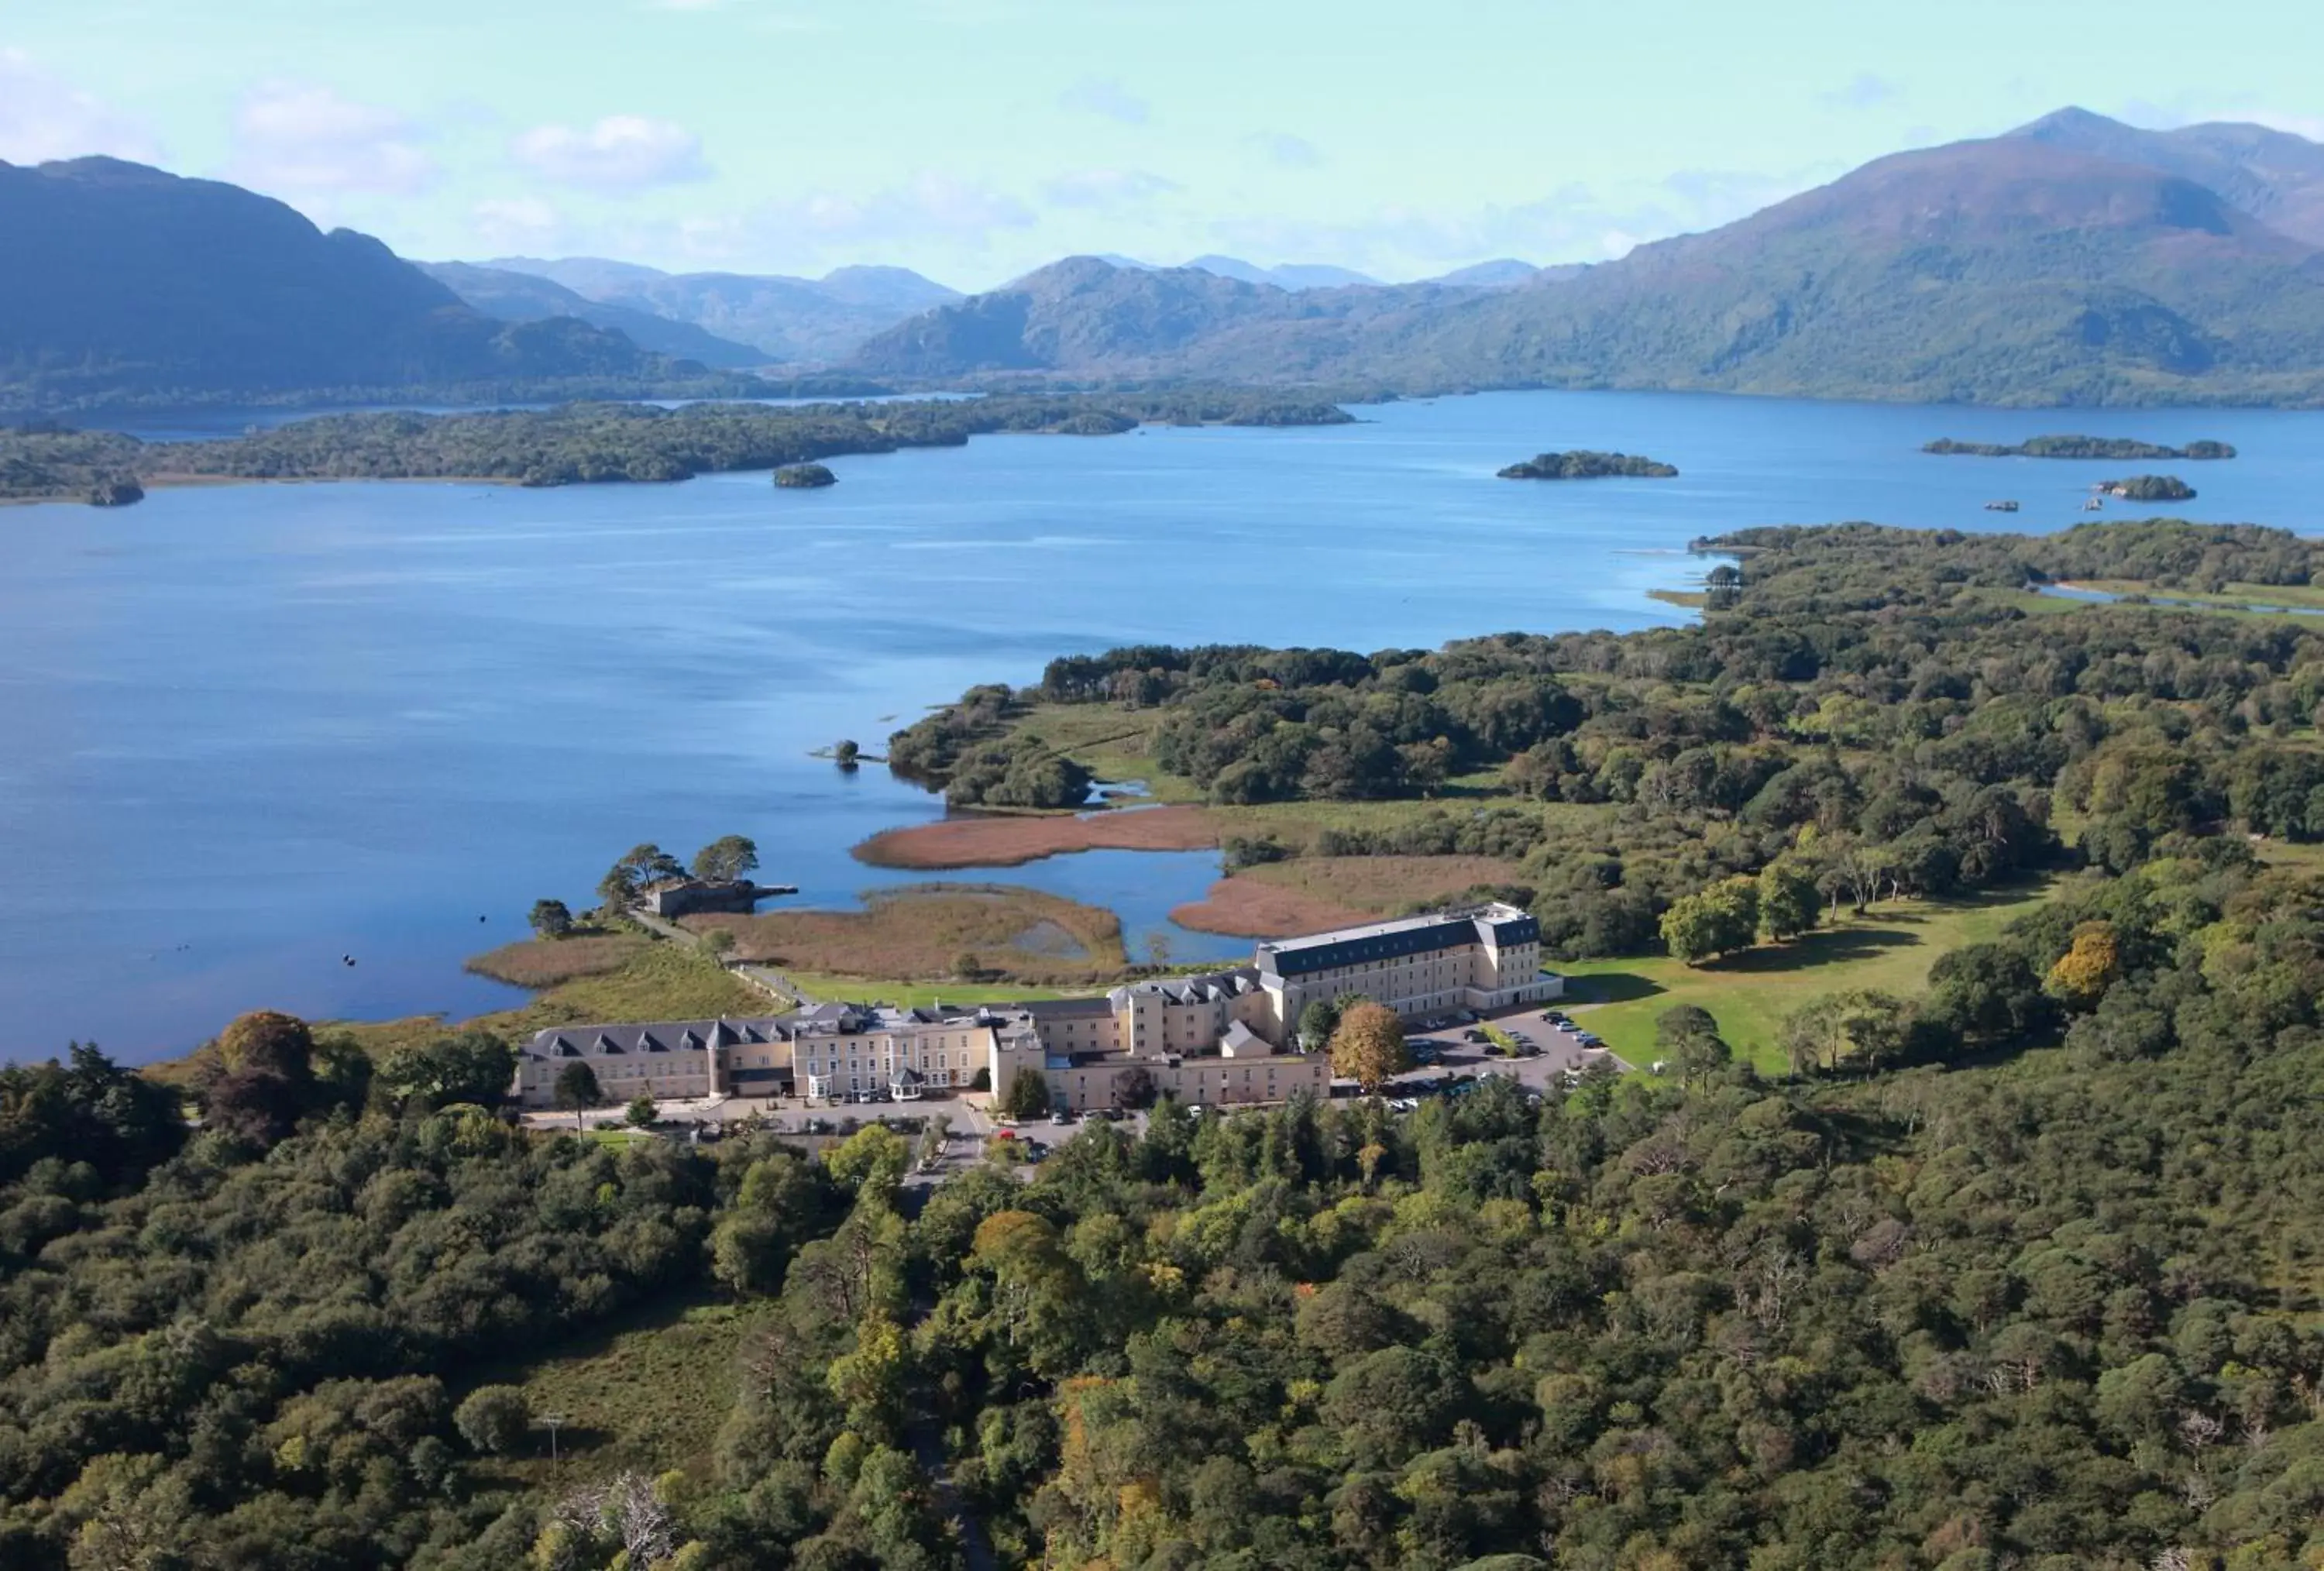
(253, 729)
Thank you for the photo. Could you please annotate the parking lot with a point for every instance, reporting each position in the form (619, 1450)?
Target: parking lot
(1464, 1051)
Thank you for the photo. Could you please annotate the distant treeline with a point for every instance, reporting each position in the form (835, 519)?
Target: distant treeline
(581, 443)
(2077, 446)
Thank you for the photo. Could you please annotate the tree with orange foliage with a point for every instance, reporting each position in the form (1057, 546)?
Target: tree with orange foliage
(2087, 969)
(1367, 1046)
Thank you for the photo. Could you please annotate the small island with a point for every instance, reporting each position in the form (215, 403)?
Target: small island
(2150, 488)
(803, 476)
(1583, 465)
(2080, 447)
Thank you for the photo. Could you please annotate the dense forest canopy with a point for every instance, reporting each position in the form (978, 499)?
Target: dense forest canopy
(1581, 463)
(2023, 1271)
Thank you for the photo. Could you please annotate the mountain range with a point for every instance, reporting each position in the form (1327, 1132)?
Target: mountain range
(2021, 269)
(816, 321)
(118, 281)
(2074, 260)
(523, 297)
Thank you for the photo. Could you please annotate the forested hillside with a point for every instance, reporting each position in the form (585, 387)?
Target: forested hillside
(2024, 1270)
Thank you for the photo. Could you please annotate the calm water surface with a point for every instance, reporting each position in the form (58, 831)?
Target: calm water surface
(254, 729)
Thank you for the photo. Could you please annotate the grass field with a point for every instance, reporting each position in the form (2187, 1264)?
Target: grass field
(650, 981)
(543, 963)
(648, 1390)
(661, 981)
(1891, 947)
(1114, 742)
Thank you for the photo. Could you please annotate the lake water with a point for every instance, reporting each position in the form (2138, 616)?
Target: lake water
(252, 730)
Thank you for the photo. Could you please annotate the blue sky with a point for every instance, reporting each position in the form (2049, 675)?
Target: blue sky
(973, 139)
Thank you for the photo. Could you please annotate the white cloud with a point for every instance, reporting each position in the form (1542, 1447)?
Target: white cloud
(44, 118)
(304, 138)
(930, 214)
(619, 152)
(1284, 150)
(517, 225)
(1106, 96)
(1107, 187)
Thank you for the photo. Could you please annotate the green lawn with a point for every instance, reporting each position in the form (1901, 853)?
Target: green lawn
(1890, 947)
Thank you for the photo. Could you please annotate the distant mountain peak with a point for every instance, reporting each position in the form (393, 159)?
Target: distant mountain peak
(1289, 275)
(2270, 175)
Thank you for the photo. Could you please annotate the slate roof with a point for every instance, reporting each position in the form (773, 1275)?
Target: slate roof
(1501, 925)
(682, 1036)
(1069, 1008)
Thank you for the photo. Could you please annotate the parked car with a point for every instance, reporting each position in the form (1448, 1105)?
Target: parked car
(1061, 1116)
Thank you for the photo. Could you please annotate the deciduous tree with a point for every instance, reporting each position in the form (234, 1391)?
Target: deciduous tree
(1720, 920)
(1367, 1046)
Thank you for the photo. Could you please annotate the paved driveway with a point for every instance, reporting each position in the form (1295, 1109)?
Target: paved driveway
(1560, 1049)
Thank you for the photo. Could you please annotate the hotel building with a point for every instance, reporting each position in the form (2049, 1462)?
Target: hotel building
(1225, 1037)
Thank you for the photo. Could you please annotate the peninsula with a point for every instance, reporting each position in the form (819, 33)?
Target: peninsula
(590, 443)
(1583, 464)
(2078, 447)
